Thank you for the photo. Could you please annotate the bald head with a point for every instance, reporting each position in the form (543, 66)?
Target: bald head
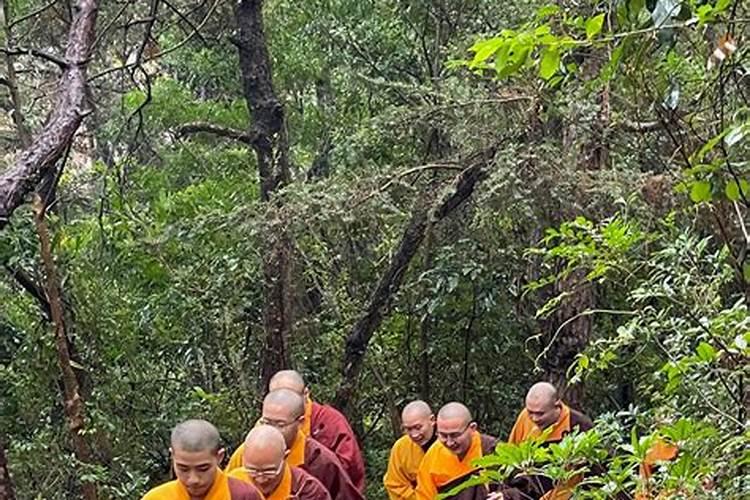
(291, 402)
(287, 379)
(195, 436)
(416, 409)
(543, 405)
(264, 444)
(455, 411)
(543, 392)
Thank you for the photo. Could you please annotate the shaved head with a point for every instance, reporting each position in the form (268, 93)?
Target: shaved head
(455, 411)
(263, 457)
(264, 444)
(418, 423)
(195, 436)
(292, 402)
(455, 428)
(416, 409)
(287, 379)
(543, 405)
(542, 392)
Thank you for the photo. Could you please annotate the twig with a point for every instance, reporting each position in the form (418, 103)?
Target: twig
(18, 51)
(164, 52)
(31, 14)
(218, 130)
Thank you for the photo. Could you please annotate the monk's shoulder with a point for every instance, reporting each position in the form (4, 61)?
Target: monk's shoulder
(317, 454)
(306, 487)
(330, 416)
(240, 490)
(162, 492)
(580, 421)
(488, 443)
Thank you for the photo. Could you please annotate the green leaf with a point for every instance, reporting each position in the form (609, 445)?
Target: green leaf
(549, 63)
(594, 26)
(700, 191)
(746, 271)
(706, 352)
(484, 49)
(735, 190)
(547, 11)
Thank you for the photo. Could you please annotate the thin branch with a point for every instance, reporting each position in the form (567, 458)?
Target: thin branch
(31, 14)
(164, 52)
(409, 171)
(19, 51)
(243, 136)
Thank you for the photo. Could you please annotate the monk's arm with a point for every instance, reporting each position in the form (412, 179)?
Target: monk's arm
(397, 485)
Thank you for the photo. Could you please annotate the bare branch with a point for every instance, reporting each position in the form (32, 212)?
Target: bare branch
(69, 109)
(19, 51)
(31, 14)
(217, 130)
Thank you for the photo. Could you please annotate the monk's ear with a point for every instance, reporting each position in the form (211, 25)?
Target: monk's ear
(306, 392)
(473, 426)
(432, 418)
(220, 455)
(558, 404)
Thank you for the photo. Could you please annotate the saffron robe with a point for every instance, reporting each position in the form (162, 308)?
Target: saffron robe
(441, 470)
(540, 486)
(330, 428)
(318, 461)
(224, 488)
(295, 484)
(400, 479)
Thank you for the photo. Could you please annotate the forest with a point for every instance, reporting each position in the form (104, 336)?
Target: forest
(447, 200)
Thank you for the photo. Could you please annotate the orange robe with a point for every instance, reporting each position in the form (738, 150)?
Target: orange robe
(441, 469)
(296, 484)
(318, 461)
(400, 479)
(224, 488)
(330, 428)
(569, 419)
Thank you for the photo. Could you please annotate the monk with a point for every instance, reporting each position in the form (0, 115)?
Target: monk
(326, 425)
(264, 454)
(285, 410)
(545, 411)
(418, 423)
(196, 455)
(448, 462)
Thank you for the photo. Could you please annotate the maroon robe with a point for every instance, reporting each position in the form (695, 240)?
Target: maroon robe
(324, 465)
(306, 487)
(331, 429)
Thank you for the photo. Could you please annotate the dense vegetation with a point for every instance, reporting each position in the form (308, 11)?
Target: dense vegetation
(427, 198)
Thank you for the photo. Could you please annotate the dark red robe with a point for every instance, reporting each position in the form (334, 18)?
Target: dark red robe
(324, 465)
(331, 429)
(306, 487)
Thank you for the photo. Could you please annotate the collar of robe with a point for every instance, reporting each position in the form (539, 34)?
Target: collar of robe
(284, 490)
(306, 425)
(219, 490)
(430, 441)
(296, 456)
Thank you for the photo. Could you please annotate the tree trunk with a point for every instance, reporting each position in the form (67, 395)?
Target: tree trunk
(6, 486)
(69, 109)
(72, 401)
(390, 282)
(271, 150)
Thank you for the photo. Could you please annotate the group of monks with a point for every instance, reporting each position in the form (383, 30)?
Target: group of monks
(436, 455)
(299, 449)
(303, 450)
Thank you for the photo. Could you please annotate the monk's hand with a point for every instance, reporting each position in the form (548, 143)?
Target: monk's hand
(496, 496)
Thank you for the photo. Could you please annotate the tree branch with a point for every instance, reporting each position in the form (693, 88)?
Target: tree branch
(243, 136)
(32, 287)
(69, 110)
(18, 51)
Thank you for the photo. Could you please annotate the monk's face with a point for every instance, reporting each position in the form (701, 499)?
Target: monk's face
(285, 420)
(419, 427)
(543, 411)
(456, 434)
(265, 467)
(196, 470)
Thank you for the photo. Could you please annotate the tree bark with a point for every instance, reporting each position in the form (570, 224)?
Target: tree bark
(72, 401)
(6, 485)
(271, 150)
(68, 112)
(391, 280)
